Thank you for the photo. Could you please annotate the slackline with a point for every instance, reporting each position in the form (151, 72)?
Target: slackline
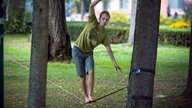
(27, 68)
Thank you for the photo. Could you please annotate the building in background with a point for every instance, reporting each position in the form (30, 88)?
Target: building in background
(114, 5)
(169, 8)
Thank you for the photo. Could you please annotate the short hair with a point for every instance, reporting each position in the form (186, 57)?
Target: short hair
(104, 12)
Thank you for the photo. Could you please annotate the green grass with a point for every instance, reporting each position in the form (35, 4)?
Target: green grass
(170, 78)
(167, 27)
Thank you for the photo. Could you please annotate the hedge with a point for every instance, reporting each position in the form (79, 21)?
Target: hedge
(177, 38)
(119, 32)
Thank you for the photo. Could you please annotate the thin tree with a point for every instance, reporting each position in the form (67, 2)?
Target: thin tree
(132, 25)
(82, 9)
(59, 40)
(141, 79)
(39, 49)
(188, 90)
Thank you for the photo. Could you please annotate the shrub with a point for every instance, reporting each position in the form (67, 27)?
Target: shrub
(165, 21)
(174, 23)
(180, 23)
(74, 29)
(118, 17)
(117, 32)
(177, 38)
(117, 35)
(15, 25)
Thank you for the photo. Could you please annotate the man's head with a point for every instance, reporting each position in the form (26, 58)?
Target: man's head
(104, 18)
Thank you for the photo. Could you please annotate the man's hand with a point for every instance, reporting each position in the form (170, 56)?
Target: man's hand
(118, 68)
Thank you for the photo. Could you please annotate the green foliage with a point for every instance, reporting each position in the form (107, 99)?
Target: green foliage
(28, 17)
(178, 38)
(175, 23)
(15, 25)
(166, 21)
(188, 11)
(117, 32)
(180, 24)
(117, 16)
(74, 29)
(170, 77)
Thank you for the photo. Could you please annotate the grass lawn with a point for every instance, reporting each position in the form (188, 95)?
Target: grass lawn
(167, 27)
(170, 78)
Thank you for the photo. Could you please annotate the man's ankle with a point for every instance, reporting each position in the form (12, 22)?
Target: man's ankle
(90, 97)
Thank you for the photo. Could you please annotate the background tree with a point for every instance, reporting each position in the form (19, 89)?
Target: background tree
(15, 15)
(38, 63)
(82, 9)
(16, 10)
(141, 80)
(59, 40)
(132, 26)
(188, 90)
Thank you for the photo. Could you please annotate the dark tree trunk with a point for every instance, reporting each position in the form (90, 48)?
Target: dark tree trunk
(188, 90)
(140, 89)
(59, 40)
(1, 56)
(39, 49)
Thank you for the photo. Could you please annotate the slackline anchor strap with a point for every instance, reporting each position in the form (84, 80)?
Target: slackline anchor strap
(139, 70)
(135, 97)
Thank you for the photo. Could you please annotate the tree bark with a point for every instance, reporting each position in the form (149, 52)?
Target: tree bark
(188, 90)
(141, 80)
(59, 40)
(1, 56)
(39, 49)
(132, 26)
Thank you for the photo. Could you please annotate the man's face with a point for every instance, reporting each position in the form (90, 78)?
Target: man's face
(104, 20)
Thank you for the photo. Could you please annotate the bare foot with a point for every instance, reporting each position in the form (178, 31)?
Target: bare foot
(90, 98)
(87, 100)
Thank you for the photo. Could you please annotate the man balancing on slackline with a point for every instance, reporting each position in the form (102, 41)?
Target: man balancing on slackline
(92, 35)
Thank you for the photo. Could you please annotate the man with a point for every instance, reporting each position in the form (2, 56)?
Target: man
(92, 35)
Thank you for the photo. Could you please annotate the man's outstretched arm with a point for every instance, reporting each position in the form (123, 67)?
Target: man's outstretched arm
(91, 7)
(110, 52)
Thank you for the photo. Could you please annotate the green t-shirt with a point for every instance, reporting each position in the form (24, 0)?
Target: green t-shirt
(91, 37)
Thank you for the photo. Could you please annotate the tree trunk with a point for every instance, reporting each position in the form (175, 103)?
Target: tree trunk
(1, 57)
(188, 90)
(141, 80)
(82, 9)
(39, 49)
(59, 40)
(132, 26)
